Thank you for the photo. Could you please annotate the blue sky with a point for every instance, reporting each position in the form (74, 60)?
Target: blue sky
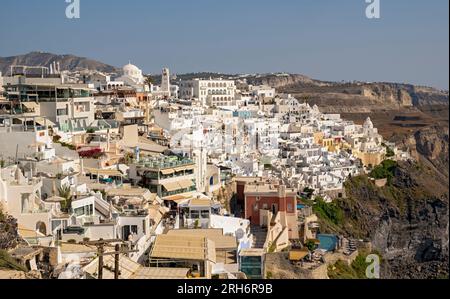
(324, 39)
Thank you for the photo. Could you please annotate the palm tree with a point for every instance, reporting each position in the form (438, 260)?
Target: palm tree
(64, 192)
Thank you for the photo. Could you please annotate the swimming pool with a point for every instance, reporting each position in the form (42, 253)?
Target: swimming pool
(327, 242)
(300, 206)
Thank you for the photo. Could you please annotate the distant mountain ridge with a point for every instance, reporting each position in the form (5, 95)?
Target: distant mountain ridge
(337, 97)
(67, 62)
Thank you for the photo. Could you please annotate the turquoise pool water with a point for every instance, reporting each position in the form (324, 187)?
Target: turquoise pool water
(300, 206)
(327, 242)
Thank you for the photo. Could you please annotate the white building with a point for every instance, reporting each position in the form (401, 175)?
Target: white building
(212, 92)
(132, 75)
(165, 81)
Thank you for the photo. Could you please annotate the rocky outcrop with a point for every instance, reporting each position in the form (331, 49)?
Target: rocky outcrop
(407, 221)
(430, 145)
(357, 97)
(282, 80)
(9, 236)
(67, 62)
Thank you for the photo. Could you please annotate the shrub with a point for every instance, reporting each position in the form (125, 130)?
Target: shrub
(328, 211)
(389, 152)
(311, 245)
(95, 153)
(385, 170)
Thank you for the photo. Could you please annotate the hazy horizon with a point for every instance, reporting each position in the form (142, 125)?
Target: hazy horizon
(324, 40)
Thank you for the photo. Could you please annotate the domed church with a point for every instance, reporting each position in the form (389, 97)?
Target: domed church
(132, 75)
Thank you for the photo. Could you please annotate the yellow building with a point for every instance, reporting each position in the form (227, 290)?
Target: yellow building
(370, 159)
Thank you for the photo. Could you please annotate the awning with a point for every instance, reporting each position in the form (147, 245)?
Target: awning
(171, 186)
(44, 122)
(186, 184)
(30, 105)
(178, 185)
(167, 171)
(297, 255)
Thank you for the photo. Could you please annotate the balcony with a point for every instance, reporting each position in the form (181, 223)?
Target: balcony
(163, 163)
(179, 191)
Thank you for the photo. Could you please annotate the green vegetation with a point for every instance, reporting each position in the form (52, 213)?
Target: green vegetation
(385, 170)
(68, 145)
(311, 245)
(90, 131)
(272, 247)
(341, 270)
(64, 192)
(57, 139)
(389, 152)
(7, 262)
(196, 224)
(308, 191)
(329, 212)
(356, 270)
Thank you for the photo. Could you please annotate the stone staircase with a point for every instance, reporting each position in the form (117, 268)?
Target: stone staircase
(259, 236)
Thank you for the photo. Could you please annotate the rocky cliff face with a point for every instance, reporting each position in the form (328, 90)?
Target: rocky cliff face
(430, 146)
(407, 221)
(354, 97)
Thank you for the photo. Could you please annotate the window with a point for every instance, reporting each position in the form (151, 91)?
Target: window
(205, 214)
(60, 112)
(195, 214)
(290, 208)
(85, 210)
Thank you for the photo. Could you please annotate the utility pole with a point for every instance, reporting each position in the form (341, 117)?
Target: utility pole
(116, 262)
(101, 251)
(101, 244)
